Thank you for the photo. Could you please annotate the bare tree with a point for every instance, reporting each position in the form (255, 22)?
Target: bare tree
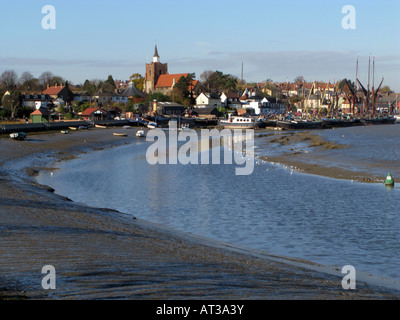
(45, 78)
(9, 79)
(27, 81)
(26, 77)
(205, 75)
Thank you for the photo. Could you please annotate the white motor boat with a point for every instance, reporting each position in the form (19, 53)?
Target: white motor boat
(18, 135)
(152, 125)
(240, 122)
(140, 134)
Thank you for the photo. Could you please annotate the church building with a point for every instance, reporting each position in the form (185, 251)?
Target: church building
(157, 78)
(153, 72)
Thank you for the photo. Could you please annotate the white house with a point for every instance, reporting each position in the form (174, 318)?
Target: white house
(205, 100)
(37, 101)
(229, 99)
(250, 100)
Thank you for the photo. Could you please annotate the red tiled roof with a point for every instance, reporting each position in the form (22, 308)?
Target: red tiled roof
(89, 111)
(36, 112)
(40, 111)
(53, 90)
(167, 80)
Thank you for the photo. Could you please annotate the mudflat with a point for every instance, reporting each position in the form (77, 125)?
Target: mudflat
(103, 254)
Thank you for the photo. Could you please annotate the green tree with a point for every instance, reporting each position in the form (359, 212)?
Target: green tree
(12, 102)
(217, 82)
(182, 91)
(138, 81)
(160, 97)
(89, 87)
(111, 82)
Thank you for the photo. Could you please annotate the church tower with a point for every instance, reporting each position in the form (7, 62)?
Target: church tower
(153, 71)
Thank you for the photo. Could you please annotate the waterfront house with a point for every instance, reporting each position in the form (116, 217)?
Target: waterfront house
(206, 100)
(250, 100)
(229, 98)
(170, 108)
(96, 114)
(206, 112)
(59, 91)
(40, 115)
(268, 108)
(37, 101)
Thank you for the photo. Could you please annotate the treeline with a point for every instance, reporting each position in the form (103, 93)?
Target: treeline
(184, 91)
(9, 80)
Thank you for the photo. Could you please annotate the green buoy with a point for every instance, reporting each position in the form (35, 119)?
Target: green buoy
(389, 180)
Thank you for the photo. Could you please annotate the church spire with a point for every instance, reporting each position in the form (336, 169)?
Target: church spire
(156, 57)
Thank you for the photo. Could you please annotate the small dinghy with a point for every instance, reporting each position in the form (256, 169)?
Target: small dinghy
(152, 125)
(120, 134)
(140, 134)
(18, 135)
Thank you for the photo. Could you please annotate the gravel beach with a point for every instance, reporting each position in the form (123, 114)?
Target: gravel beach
(103, 254)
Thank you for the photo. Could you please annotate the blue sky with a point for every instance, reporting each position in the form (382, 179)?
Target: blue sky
(274, 39)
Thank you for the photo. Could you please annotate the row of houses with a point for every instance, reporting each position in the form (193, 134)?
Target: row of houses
(247, 102)
(60, 94)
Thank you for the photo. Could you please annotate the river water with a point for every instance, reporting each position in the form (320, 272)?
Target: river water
(275, 209)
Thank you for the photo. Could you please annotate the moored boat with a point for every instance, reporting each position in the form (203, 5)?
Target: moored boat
(140, 133)
(120, 134)
(100, 126)
(377, 121)
(333, 123)
(152, 125)
(240, 122)
(269, 123)
(18, 135)
(299, 124)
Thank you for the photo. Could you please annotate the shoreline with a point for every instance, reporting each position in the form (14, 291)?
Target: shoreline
(302, 162)
(104, 254)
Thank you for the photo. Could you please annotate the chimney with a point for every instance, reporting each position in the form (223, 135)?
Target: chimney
(48, 86)
(56, 85)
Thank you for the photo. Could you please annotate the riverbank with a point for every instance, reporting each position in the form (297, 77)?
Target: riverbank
(302, 160)
(103, 254)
